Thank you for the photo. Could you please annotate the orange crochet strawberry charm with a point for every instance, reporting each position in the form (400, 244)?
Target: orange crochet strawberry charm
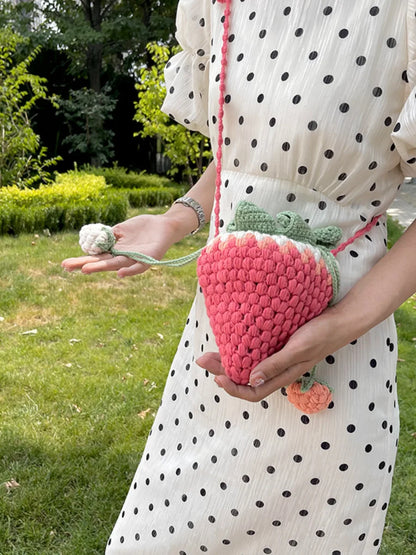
(309, 394)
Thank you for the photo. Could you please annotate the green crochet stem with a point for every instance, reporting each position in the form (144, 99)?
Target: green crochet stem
(175, 262)
(308, 381)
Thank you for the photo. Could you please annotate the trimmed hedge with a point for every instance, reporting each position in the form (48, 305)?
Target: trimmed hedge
(74, 200)
(73, 186)
(120, 178)
(153, 196)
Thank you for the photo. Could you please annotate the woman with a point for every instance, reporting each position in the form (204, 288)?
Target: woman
(320, 119)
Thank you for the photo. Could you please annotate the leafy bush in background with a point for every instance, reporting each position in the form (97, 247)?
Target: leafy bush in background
(80, 197)
(185, 149)
(23, 161)
(86, 111)
(153, 196)
(72, 201)
(120, 178)
(74, 186)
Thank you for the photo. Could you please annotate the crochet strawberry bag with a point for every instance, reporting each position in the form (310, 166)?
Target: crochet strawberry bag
(262, 279)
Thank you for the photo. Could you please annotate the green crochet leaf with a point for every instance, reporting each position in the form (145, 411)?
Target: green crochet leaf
(294, 226)
(328, 236)
(249, 217)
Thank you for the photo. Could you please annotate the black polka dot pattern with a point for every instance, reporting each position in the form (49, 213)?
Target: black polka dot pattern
(221, 475)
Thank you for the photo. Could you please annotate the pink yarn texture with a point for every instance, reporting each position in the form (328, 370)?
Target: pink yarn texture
(258, 290)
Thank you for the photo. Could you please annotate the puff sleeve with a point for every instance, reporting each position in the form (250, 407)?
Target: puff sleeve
(187, 73)
(404, 134)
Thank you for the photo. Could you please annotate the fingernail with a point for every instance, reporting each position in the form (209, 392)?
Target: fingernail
(257, 382)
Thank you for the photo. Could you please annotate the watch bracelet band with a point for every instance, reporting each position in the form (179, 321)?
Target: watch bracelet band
(197, 208)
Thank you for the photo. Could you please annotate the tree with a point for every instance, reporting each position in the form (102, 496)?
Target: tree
(102, 40)
(86, 111)
(99, 36)
(106, 35)
(185, 149)
(23, 161)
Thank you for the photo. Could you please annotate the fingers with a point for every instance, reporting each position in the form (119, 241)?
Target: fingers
(78, 262)
(101, 263)
(133, 270)
(276, 377)
(255, 394)
(123, 265)
(277, 364)
(211, 362)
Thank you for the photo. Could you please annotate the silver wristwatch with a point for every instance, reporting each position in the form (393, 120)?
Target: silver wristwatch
(191, 203)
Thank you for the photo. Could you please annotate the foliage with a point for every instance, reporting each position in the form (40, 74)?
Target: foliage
(120, 178)
(394, 231)
(23, 162)
(93, 43)
(74, 200)
(184, 148)
(153, 196)
(86, 112)
(115, 32)
(18, 15)
(77, 198)
(120, 29)
(72, 185)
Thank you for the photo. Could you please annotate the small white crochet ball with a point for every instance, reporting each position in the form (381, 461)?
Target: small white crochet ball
(96, 238)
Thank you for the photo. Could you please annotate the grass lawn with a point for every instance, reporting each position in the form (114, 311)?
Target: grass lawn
(83, 364)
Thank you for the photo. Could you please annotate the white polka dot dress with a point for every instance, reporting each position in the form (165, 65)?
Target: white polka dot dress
(320, 118)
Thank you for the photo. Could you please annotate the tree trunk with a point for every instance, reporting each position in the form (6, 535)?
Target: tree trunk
(94, 16)
(94, 63)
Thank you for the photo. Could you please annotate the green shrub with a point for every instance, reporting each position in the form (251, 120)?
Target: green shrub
(73, 200)
(153, 196)
(72, 186)
(23, 161)
(120, 178)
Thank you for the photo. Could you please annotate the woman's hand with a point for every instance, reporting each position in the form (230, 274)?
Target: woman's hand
(152, 235)
(310, 344)
(372, 299)
(149, 234)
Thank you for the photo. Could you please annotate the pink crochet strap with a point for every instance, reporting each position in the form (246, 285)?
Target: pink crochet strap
(356, 235)
(224, 50)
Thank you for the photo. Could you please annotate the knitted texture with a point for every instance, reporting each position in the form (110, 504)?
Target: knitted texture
(99, 238)
(260, 287)
(315, 399)
(96, 238)
(221, 102)
(261, 280)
